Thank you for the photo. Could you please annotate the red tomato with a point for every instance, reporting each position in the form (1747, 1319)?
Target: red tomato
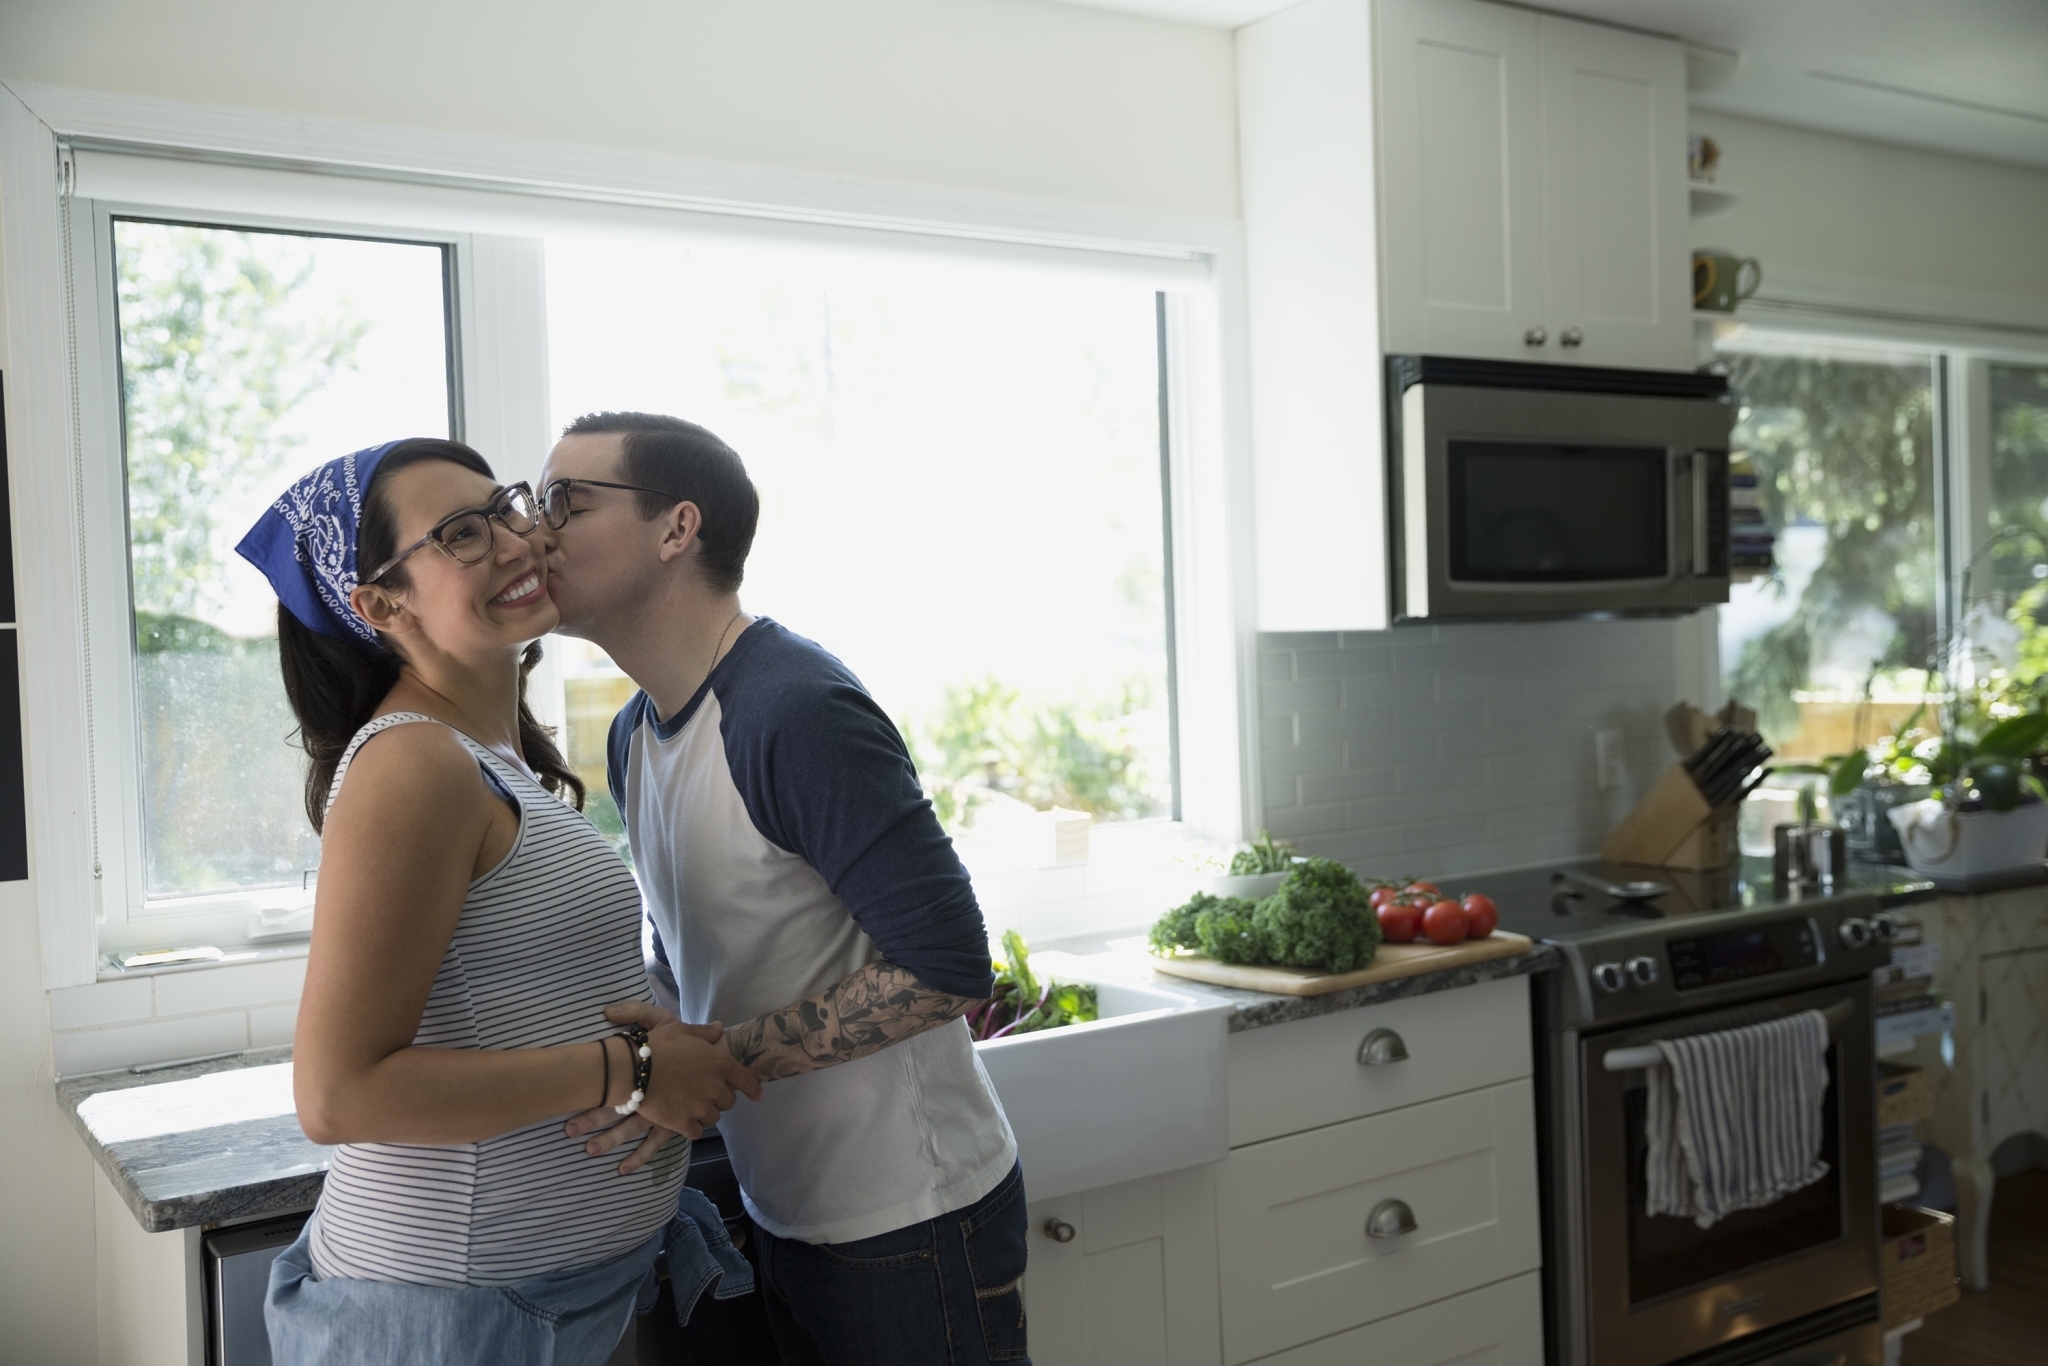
(1430, 887)
(1399, 922)
(1481, 915)
(1444, 922)
(1381, 896)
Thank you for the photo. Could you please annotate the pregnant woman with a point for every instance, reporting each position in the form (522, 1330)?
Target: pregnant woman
(471, 927)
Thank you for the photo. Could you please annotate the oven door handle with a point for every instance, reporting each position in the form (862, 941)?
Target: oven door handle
(1629, 1059)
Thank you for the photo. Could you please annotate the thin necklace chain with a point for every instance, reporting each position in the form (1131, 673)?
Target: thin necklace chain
(721, 639)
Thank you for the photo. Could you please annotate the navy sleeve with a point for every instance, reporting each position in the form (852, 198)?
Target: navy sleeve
(618, 745)
(825, 775)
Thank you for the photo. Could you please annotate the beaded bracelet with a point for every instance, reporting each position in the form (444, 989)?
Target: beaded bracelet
(643, 1067)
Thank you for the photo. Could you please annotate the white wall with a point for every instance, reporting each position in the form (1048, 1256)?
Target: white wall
(1838, 220)
(1016, 96)
(47, 1301)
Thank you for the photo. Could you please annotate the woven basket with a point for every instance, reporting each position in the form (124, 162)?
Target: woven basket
(1919, 1263)
(1904, 1095)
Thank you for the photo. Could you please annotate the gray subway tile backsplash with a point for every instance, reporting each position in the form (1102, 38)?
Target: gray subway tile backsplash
(1453, 749)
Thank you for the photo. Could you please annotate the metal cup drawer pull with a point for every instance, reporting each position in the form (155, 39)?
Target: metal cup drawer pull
(1381, 1047)
(1059, 1230)
(1390, 1219)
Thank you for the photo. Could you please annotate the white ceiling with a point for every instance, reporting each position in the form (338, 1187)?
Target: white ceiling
(1960, 75)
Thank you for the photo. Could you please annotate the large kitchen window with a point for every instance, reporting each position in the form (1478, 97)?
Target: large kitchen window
(962, 463)
(962, 497)
(1908, 492)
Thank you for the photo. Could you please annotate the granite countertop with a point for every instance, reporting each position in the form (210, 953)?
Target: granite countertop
(219, 1140)
(1257, 1009)
(203, 1143)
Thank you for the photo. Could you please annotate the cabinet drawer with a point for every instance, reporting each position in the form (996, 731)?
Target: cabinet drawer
(1501, 1325)
(1291, 1077)
(1297, 1261)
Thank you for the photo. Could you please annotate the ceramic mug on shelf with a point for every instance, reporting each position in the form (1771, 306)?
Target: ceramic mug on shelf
(1719, 278)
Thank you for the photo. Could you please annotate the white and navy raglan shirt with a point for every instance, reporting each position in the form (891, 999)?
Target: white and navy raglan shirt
(783, 844)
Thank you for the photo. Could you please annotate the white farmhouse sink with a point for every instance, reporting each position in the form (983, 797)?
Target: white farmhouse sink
(1138, 1092)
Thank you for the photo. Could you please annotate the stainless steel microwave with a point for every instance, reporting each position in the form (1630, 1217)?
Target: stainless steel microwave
(1554, 491)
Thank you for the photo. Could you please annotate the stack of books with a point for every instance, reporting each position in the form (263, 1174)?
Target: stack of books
(1750, 538)
(1907, 1006)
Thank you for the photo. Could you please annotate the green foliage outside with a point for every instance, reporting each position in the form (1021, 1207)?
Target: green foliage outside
(987, 738)
(209, 368)
(1847, 445)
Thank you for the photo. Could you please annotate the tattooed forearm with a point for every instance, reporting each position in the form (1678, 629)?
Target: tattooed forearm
(877, 1006)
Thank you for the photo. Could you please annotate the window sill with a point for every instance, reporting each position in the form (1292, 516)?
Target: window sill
(110, 969)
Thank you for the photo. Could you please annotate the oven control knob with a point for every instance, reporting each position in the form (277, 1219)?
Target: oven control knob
(1854, 933)
(1643, 970)
(1887, 928)
(1609, 977)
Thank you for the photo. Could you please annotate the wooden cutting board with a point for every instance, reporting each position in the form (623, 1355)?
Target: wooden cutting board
(1392, 960)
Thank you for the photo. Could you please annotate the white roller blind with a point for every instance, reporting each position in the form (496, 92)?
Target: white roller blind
(342, 197)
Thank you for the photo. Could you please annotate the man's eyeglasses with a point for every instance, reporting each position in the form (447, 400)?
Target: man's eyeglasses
(554, 499)
(465, 537)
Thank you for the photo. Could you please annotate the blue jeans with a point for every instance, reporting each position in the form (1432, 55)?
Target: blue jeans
(940, 1293)
(565, 1318)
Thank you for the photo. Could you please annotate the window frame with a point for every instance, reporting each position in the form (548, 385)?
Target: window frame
(124, 918)
(1962, 357)
(499, 343)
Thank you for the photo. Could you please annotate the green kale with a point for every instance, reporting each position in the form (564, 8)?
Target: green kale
(1227, 931)
(1176, 929)
(1322, 917)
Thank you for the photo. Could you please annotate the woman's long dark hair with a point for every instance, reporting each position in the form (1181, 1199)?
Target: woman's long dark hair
(335, 686)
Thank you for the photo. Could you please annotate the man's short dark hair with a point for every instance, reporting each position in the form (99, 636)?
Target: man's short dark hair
(688, 464)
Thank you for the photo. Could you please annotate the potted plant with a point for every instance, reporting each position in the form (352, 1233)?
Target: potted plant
(1989, 813)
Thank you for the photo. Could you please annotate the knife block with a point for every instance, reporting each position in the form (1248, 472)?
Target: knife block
(1673, 827)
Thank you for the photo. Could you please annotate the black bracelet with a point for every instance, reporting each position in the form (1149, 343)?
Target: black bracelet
(643, 1067)
(604, 1050)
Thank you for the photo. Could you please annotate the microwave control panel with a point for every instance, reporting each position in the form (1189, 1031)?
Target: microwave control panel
(1735, 955)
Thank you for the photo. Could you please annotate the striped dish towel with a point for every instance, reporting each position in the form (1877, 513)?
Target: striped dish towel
(1734, 1117)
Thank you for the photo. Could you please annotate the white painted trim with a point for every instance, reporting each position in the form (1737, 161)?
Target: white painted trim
(1893, 310)
(46, 582)
(328, 146)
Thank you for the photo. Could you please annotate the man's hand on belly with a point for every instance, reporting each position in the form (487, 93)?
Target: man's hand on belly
(877, 1006)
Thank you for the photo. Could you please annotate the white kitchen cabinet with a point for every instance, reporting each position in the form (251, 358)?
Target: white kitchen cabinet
(1534, 190)
(1316, 1219)
(1136, 1284)
(1442, 177)
(1617, 259)
(1462, 153)
(1500, 1325)
(1303, 1075)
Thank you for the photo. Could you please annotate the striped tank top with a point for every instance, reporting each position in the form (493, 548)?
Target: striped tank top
(545, 941)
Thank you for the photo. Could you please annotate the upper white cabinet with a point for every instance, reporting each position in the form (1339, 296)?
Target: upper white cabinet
(1442, 177)
(1532, 187)
(1462, 165)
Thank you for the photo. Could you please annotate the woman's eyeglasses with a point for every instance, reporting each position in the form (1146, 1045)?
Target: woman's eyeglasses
(465, 537)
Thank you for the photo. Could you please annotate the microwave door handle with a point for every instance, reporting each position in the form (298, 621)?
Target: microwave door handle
(1701, 560)
(1631, 1059)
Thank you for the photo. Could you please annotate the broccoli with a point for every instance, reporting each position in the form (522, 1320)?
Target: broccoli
(1321, 917)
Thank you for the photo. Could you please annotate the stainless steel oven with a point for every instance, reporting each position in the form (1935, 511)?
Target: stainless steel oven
(1627, 1288)
(1549, 490)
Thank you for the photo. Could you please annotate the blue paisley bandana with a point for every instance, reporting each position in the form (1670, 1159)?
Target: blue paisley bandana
(305, 543)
